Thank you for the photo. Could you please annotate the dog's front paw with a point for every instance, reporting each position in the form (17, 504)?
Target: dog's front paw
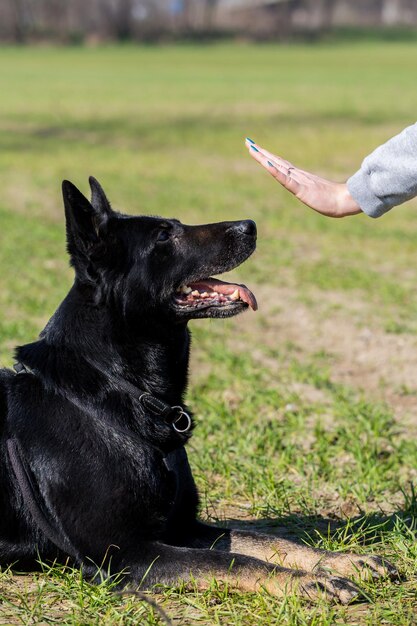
(313, 587)
(362, 566)
(330, 588)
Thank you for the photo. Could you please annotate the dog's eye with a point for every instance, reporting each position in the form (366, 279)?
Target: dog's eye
(163, 235)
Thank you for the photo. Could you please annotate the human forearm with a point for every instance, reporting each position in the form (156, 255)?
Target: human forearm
(388, 176)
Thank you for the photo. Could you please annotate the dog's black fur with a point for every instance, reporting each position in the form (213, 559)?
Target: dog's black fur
(95, 454)
(110, 479)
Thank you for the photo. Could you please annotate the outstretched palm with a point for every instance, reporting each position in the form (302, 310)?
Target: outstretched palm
(326, 197)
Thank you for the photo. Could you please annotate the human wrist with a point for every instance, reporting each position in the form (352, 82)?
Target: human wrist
(345, 204)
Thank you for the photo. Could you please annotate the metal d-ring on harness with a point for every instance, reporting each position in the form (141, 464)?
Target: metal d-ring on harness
(179, 419)
(182, 415)
(174, 415)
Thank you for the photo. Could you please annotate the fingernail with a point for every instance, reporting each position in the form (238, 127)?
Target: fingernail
(250, 140)
(271, 164)
(255, 149)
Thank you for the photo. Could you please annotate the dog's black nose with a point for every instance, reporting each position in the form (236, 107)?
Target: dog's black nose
(247, 227)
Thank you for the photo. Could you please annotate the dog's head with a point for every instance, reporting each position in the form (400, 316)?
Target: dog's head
(154, 265)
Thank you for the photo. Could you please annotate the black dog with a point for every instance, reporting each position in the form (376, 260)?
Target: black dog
(93, 424)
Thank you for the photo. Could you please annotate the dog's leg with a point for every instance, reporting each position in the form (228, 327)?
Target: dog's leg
(170, 564)
(292, 554)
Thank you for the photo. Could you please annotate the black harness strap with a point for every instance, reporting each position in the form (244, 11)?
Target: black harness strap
(179, 419)
(175, 415)
(33, 500)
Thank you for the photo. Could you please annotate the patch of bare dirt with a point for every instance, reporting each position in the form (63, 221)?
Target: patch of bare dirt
(344, 327)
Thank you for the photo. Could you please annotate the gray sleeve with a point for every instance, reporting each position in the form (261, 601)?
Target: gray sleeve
(388, 176)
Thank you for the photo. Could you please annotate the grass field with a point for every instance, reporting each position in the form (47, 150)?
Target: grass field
(306, 410)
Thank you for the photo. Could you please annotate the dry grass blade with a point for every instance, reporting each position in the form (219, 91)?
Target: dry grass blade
(146, 598)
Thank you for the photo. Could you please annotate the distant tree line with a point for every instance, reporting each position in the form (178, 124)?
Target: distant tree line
(100, 20)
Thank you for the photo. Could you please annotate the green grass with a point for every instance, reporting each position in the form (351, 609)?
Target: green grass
(283, 437)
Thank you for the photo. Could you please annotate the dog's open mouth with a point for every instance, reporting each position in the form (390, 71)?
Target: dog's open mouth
(211, 292)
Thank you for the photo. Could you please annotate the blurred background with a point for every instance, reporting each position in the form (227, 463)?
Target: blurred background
(103, 20)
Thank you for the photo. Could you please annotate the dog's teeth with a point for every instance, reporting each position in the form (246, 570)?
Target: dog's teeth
(185, 289)
(195, 293)
(205, 294)
(235, 295)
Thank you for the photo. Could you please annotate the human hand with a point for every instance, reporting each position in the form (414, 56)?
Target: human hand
(324, 196)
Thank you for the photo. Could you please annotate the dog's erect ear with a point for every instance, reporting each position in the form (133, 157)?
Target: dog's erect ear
(83, 221)
(98, 198)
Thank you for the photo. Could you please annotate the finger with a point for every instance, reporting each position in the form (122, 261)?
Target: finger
(266, 163)
(277, 160)
(283, 165)
(273, 157)
(297, 174)
(256, 154)
(283, 175)
(287, 180)
(249, 142)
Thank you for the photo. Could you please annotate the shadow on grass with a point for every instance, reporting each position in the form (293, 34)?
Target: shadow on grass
(336, 533)
(19, 135)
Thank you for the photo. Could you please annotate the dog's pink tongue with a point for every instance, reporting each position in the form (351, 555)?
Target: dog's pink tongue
(227, 289)
(247, 296)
